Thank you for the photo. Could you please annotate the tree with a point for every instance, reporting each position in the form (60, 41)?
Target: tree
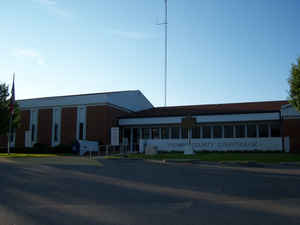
(5, 111)
(294, 82)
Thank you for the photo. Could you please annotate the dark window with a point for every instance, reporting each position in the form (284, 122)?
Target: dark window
(175, 132)
(184, 133)
(165, 133)
(55, 132)
(145, 133)
(206, 132)
(263, 130)
(251, 130)
(217, 131)
(196, 132)
(275, 130)
(228, 131)
(240, 131)
(155, 133)
(32, 132)
(136, 135)
(81, 131)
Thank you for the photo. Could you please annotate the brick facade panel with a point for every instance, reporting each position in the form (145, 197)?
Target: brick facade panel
(24, 126)
(44, 126)
(291, 128)
(68, 125)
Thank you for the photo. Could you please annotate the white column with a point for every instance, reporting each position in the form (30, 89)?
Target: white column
(180, 133)
(159, 130)
(81, 118)
(33, 123)
(257, 130)
(150, 133)
(269, 130)
(246, 130)
(56, 120)
(211, 131)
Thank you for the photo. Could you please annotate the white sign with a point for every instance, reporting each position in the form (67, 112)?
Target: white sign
(114, 136)
(88, 146)
(225, 144)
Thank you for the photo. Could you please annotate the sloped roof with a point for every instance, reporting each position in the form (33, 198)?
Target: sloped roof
(132, 100)
(229, 108)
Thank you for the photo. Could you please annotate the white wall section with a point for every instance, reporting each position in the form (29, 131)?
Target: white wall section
(228, 144)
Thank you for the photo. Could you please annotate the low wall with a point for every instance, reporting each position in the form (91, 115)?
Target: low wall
(228, 144)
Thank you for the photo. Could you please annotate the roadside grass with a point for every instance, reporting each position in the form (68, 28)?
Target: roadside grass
(261, 157)
(48, 159)
(17, 155)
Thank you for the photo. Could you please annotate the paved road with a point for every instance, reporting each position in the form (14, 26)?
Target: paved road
(136, 192)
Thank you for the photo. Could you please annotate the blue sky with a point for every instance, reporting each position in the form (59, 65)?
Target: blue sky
(220, 51)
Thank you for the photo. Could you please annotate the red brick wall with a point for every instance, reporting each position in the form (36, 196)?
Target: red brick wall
(44, 132)
(68, 125)
(291, 128)
(3, 141)
(99, 121)
(24, 126)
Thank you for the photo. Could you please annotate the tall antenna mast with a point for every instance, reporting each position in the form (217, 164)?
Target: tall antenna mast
(166, 48)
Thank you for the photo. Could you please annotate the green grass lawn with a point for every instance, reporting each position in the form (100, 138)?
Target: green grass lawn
(16, 155)
(226, 157)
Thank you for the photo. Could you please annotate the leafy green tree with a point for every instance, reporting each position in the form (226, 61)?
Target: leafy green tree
(5, 111)
(294, 82)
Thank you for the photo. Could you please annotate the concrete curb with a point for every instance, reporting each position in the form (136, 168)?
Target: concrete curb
(230, 164)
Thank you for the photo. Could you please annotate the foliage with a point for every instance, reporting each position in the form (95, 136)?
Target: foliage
(294, 82)
(5, 111)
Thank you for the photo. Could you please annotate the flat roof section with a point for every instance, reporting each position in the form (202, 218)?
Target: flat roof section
(211, 109)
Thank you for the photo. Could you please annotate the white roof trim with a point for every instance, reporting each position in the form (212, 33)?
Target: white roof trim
(201, 119)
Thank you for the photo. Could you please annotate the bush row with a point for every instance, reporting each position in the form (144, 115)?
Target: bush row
(41, 149)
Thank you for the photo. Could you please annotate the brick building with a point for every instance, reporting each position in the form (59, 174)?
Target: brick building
(240, 126)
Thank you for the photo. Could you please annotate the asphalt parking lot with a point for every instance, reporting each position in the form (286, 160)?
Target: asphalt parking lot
(137, 192)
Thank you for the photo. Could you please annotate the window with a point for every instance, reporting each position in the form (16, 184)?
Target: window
(251, 130)
(145, 133)
(155, 133)
(175, 132)
(55, 132)
(164, 133)
(184, 133)
(196, 132)
(275, 130)
(240, 131)
(263, 130)
(32, 132)
(228, 131)
(81, 131)
(217, 131)
(206, 132)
